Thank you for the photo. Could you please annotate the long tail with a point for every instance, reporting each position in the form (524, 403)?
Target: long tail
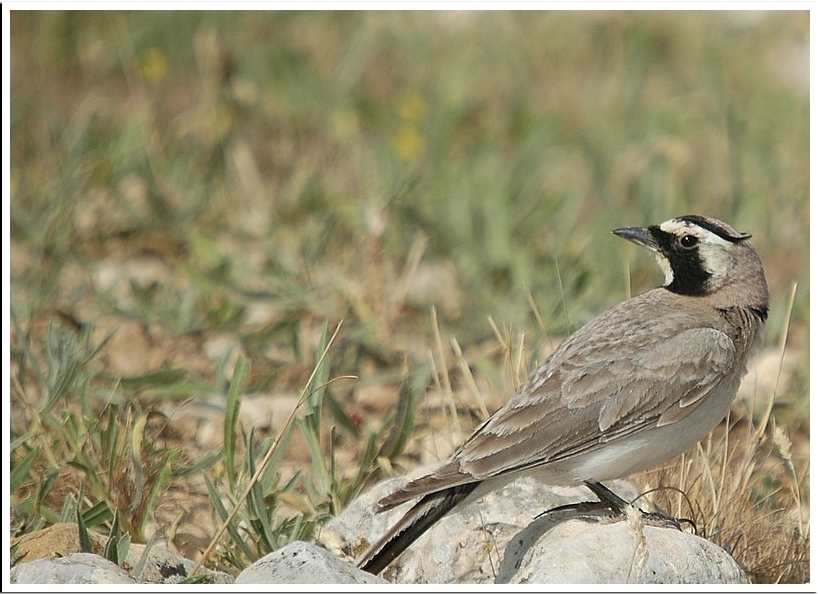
(430, 509)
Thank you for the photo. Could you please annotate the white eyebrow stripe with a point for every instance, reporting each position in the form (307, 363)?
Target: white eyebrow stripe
(680, 228)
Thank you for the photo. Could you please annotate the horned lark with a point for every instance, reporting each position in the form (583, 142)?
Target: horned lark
(634, 387)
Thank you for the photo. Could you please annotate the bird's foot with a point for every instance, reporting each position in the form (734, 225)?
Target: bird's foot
(618, 505)
(611, 507)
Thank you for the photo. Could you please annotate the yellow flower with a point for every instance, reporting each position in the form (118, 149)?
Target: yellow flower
(408, 143)
(153, 65)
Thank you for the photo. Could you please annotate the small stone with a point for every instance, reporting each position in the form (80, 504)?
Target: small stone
(76, 568)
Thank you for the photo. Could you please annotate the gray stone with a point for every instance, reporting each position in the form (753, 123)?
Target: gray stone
(164, 566)
(76, 568)
(304, 563)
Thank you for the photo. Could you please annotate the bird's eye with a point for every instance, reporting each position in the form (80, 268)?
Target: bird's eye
(688, 241)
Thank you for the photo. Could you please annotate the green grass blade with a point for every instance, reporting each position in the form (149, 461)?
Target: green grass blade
(138, 568)
(319, 477)
(318, 385)
(85, 540)
(240, 374)
(236, 538)
(97, 514)
(256, 503)
(21, 470)
(111, 551)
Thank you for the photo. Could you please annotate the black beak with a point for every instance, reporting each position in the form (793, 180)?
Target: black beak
(639, 235)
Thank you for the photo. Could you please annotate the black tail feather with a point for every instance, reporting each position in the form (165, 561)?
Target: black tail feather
(429, 510)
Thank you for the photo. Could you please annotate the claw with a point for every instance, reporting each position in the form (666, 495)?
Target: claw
(612, 507)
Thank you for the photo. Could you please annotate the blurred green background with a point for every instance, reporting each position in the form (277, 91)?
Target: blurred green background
(509, 143)
(184, 178)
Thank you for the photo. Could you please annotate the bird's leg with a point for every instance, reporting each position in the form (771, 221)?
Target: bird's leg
(618, 505)
(612, 506)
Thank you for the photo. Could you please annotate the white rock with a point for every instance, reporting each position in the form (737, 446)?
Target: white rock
(304, 563)
(76, 568)
(581, 552)
(471, 545)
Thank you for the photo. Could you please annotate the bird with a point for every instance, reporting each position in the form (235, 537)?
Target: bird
(637, 385)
